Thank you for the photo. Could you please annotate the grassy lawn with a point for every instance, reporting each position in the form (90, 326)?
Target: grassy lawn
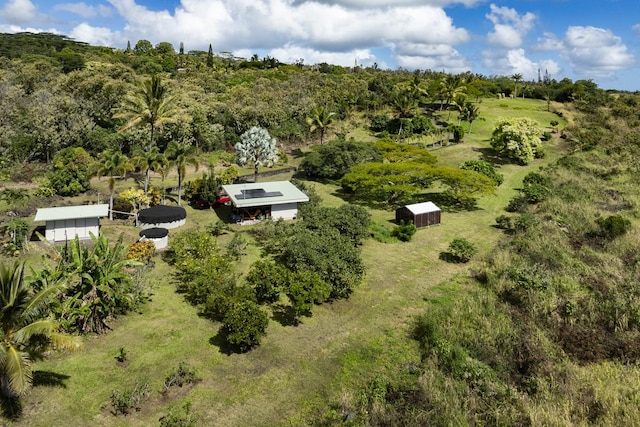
(296, 370)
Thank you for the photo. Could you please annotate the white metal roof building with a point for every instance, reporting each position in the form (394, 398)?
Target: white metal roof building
(67, 222)
(278, 199)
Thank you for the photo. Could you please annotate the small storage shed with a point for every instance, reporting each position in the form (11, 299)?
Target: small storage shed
(159, 236)
(420, 214)
(254, 200)
(162, 217)
(67, 222)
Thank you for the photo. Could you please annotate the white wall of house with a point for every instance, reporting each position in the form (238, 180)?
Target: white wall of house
(284, 211)
(68, 229)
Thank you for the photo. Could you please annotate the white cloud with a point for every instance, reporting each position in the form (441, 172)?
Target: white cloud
(509, 27)
(595, 52)
(548, 42)
(368, 4)
(84, 10)
(19, 12)
(291, 53)
(515, 61)
(636, 29)
(99, 36)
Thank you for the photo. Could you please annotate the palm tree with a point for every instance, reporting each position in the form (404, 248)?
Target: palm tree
(181, 154)
(112, 163)
(470, 112)
(150, 105)
(151, 160)
(517, 78)
(404, 106)
(450, 88)
(321, 118)
(25, 332)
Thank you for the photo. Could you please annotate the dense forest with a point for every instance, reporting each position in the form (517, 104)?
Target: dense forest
(530, 315)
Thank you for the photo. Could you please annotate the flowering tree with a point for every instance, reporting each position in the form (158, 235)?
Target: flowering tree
(256, 147)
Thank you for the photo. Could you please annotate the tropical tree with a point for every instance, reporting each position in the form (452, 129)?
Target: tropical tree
(112, 163)
(99, 284)
(180, 155)
(450, 87)
(320, 120)
(258, 148)
(517, 78)
(149, 105)
(470, 113)
(25, 332)
(151, 160)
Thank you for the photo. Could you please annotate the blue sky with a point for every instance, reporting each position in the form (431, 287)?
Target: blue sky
(578, 39)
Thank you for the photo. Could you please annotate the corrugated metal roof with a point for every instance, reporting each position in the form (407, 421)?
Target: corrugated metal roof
(72, 212)
(289, 193)
(425, 207)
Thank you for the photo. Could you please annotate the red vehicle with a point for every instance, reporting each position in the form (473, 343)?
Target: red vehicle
(223, 199)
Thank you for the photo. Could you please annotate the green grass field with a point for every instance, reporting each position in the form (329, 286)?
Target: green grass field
(297, 371)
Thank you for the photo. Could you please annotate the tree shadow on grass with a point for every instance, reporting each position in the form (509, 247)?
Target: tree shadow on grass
(49, 379)
(10, 408)
(220, 341)
(284, 315)
(490, 155)
(449, 257)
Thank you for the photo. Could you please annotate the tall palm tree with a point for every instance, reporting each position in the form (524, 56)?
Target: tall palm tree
(151, 160)
(517, 78)
(150, 105)
(180, 155)
(112, 163)
(320, 120)
(451, 87)
(25, 332)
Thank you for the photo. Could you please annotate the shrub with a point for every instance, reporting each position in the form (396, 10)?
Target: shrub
(461, 249)
(142, 251)
(123, 402)
(267, 280)
(458, 133)
(404, 231)
(70, 175)
(180, 417)
(504, 222)
(525, 222)
(244, 325)
(485, 168)
(181, 376)
(379, 123)
(304, 290)
(614, 226)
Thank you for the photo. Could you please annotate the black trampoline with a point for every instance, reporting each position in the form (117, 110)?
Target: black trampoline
(162, 217)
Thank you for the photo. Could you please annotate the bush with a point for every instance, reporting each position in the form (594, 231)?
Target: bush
(404, 231)
(267, 280)
(614, 226)
(181, 417)
(180, 377)
(123, 402)
(461, 249)
(244, 325)
(485, 168)
(379, 123)
(504, 222)
(458, 133)
(141, 251)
